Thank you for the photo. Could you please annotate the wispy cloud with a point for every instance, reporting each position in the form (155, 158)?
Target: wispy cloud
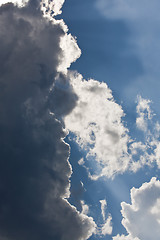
(118, 9)
(103, 208)
(106, 228)
(144, 113)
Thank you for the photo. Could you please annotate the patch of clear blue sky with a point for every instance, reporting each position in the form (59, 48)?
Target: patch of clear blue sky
(109, 54)
(107, 50)
(124, 56)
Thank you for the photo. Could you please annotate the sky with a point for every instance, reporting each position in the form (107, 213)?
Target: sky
(79, 122)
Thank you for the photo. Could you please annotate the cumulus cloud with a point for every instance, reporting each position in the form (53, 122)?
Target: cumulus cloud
(141, 218)
(97, 123)
(34, 166)
(37, 92)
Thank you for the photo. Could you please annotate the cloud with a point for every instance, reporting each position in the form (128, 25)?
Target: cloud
(34, 166)
(19, 3)
(141, 218)
(107, 227)
(147, 150)
(97, 123)
(103, 208)
(144, 113)
(123, 237)
(99, 129)
(52, 8)
(37, 93)
(85, 208)
(81, 162)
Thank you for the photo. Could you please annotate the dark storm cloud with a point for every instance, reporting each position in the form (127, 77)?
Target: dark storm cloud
(34, 171)
(62, 93)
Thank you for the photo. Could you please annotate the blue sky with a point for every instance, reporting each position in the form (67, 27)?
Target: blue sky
(119, 49)
(79, 124)
(123, 52)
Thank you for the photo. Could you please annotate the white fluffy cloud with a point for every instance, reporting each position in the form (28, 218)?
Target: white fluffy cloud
(97, 123)
(123, 237)
(53, 7)
(19, 3)
(70, 52)
(141, 218)
(107, 226)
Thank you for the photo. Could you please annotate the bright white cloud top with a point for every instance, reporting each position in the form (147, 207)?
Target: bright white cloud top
(52, 7)
(19, 3)
(141, 218)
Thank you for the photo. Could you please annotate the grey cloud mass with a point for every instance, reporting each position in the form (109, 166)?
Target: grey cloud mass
(34, 167)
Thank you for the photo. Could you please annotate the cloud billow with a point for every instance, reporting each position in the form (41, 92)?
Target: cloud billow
(34, 167)
(141, 218)
(97, 124)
